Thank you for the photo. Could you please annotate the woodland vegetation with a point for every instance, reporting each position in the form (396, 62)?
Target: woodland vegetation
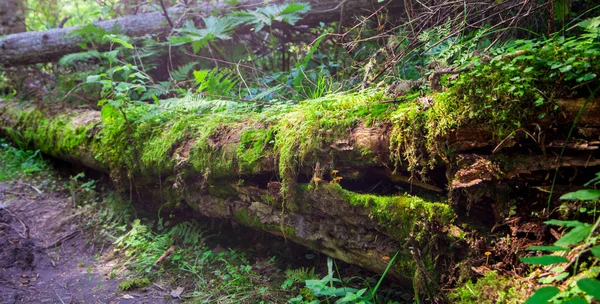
(448, 147)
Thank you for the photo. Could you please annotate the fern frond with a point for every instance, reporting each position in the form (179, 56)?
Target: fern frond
(190, 233)
(83, 56)
(182, 72)
(196, 103)
(162, 88)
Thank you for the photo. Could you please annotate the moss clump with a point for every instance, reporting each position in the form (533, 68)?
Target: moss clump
(304, 133)
(492, 288)
(499, 95)
(253, 147)
(400, 214)
(222, 190)
(135, 283)
(246, 219)
(404, 217)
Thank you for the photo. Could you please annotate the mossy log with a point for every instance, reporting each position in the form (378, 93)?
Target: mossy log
(318, 173)
(225, 167)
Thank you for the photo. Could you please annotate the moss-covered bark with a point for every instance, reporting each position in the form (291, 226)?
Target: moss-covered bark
(244, 168)
(302, 171)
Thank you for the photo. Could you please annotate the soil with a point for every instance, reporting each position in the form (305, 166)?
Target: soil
(44, 256)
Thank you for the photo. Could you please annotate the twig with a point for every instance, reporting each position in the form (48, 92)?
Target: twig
(63, 239)
(165, 255)
(61, 300)
(32, 187)
(165, 12)
(62, 22)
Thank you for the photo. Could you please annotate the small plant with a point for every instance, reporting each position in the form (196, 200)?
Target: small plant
(298, 275)
(326, 287)
(82, 191)
(214, 83)
(16, 162)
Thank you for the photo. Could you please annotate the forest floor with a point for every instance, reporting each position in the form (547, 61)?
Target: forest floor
(54, 248)
(45, 256)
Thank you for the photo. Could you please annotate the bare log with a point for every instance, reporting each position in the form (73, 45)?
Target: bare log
(49, 46)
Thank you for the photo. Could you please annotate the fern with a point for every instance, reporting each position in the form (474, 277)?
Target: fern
(134, 240)
(268, 93)
(83, 56)
(190, 233)
(212, 82)
(162, 88)
(182, 72)
(196, 103)
(301, 274)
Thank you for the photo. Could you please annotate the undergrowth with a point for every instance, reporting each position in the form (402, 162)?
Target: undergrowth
(500, 93)
(15, 162)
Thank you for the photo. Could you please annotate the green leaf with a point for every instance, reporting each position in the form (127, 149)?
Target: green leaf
(564, 223)
(586, 77)
(565, 68)
(548, 248)
(544, 260)
(575, 236)
(582, 195)
(539, 102)
(590, 286)
(93, 78)
(543, 295)
(596, 251)
(296, 8)
(575, 301)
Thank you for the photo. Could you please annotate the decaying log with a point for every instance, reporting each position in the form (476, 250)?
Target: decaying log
(361, 229)
(332, 210)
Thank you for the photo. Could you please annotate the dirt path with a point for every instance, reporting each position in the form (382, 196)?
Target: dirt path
(44, 257)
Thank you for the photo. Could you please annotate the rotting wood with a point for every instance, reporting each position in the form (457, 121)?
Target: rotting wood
(322, 217)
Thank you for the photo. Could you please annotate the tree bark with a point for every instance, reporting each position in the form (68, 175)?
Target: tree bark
(48, 46)
(12, 17)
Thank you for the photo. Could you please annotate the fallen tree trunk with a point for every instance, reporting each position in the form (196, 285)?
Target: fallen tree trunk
(226, 168)
(316, 173)
(49, 46)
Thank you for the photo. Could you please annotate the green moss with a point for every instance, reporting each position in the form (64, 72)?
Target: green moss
(134, 283)
(400, 213)
(246, 219)
(253, 221)
(373, 112)
(312, 127)
(222, 190)
(492, 288)
(253, 147)
(59, 136)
